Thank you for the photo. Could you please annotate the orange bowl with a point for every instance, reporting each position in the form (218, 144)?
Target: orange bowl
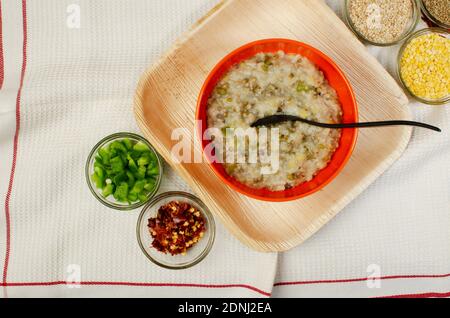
(337, 80)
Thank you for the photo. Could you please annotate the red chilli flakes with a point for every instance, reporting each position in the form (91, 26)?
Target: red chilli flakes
(177, 227)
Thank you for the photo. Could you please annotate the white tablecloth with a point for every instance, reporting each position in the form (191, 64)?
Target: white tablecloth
(78, 85)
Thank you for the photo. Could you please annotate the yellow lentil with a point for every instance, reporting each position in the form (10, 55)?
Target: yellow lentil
(425, 66)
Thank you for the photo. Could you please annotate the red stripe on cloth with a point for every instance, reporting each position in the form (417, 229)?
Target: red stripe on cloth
(94, 283)
(16, 143)
(423, 295)
(352, 280)
(2, 68)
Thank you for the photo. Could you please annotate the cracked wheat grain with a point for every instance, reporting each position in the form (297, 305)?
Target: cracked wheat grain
(381, 21)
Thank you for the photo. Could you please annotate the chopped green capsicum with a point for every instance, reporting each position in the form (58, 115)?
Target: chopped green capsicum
(127, 170)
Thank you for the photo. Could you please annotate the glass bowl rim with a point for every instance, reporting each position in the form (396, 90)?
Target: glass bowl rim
(432, 17)
(416, 34)
(204, 210)
(415, 20)
(108, 139)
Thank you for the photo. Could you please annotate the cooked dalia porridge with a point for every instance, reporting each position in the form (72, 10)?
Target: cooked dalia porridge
(278, 83)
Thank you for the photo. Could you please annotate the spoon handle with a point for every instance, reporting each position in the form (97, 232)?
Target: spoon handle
(276, 119)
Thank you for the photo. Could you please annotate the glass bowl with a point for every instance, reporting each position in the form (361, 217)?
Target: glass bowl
(110, 201)
(440, 31)
(408, 31)
(431, 17)
(196, 253)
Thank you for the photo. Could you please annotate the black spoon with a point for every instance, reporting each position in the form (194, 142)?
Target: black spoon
(277, 119)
